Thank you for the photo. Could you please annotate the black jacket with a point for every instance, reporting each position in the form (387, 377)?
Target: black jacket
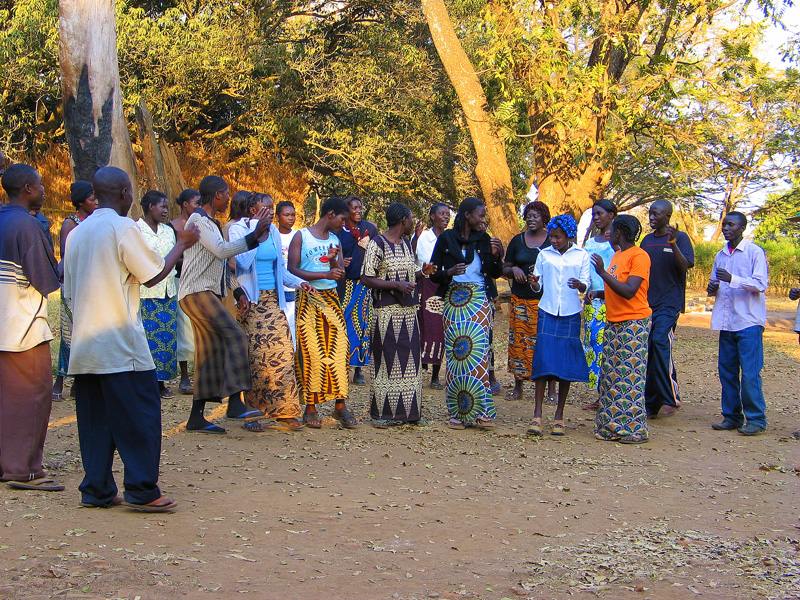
(448, 253)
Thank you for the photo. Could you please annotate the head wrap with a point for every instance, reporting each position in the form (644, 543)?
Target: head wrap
(566, 223)
(80, 191)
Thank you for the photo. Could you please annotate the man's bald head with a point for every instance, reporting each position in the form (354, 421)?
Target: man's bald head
(113, 189)
(664, 206)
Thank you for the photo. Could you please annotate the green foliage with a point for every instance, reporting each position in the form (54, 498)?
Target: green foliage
(783, 257)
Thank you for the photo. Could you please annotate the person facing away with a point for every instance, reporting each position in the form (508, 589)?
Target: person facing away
(117, 400)
(671, 256)
(28, 273)
(739, 280)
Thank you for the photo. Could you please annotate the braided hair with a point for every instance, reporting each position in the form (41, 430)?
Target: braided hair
(467, 206)
(209, 187)
(564, 222)
(628, 226)
(185, 196)
(396, 212)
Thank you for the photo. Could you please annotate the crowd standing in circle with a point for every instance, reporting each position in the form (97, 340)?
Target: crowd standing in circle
(314, 302)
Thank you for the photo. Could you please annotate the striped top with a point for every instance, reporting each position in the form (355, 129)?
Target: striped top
(204, 263)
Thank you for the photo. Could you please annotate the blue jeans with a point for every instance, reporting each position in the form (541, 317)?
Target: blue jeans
(742, 352)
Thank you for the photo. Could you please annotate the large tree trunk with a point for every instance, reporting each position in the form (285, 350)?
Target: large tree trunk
(492, 169)
(95, 125)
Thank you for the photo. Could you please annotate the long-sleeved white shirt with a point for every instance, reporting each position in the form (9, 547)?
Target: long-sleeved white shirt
(742, 303)
(554, 270)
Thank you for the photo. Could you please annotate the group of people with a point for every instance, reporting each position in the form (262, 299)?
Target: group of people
(139, 296)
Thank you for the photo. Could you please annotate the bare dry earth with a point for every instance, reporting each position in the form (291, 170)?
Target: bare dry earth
(426, 512)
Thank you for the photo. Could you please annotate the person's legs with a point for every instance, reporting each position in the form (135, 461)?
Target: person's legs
(728, 365)
(751, 352)
(133, 411)
(96, 442)
(661, 388)
(26, 382)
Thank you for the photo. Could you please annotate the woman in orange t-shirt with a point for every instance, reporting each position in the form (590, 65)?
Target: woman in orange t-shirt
(622, 416)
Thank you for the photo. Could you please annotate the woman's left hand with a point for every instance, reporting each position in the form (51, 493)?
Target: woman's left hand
(428, 269)
(307, 287)
(575, 284)
(497, 247)
(244, 306)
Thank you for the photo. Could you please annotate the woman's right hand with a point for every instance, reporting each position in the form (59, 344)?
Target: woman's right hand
(404, 287)
(336, 274)
(459, 269)
(518, 275)
(533, 279)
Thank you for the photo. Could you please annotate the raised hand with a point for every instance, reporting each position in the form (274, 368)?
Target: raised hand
(335, 274)
(576, 284)
(428, 269)
(419, 228)
(712, 288)
(263, 224)
(497, 247)
(724, 275)
(597, 263)
(189, 236)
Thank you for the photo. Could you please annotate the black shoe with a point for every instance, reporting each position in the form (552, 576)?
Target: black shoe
(751, 429)
(726, 425)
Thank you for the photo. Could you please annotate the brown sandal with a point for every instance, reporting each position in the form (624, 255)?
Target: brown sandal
(312, 420)
(558, 428)
(345, 417)
(535, 427)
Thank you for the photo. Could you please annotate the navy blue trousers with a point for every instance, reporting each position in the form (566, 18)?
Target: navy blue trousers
(662, 381)
(119, 411)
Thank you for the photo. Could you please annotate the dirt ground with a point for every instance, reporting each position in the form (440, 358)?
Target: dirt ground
(426, 512)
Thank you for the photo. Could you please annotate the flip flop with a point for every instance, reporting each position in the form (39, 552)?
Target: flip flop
(436, 386)
(484, 423)
(512, 396)
(312, 420)
(629, 439)
(116, 501)
(289, 424)
(260, 426)
(186, 388)
(43, 484)
(456, 424)
(162, 505)
(495, 389)
(250, 414)
(345, 418)
(167, 394)
(208, 429)
(58, 397)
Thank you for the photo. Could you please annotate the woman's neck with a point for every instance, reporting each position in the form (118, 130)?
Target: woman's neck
(437, 231)
(352, 224)
(625, 245)
(284, 230)
(209, 209)
(393, 234)
(152, 223)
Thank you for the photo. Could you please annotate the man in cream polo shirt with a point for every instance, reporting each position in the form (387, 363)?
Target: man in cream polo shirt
(117, 401)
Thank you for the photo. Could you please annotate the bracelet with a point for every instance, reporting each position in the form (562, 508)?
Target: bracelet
(672, 241)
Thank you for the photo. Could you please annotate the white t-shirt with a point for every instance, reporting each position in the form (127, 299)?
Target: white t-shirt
(425, 244)
(286, 239)
(106, 259)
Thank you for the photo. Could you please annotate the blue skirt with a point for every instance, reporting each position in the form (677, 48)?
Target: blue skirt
(160, 320)
(559, 353)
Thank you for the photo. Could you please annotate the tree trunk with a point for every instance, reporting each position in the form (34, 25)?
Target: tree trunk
(492, 170)
(93, 120)
(161, 167)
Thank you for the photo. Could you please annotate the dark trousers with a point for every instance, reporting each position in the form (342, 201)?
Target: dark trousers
(119, 411)
(662, 380)
(26, 388)
(741, 358)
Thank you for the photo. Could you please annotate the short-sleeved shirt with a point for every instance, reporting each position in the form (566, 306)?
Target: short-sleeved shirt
(606, 251)
(105, 262)
(391, 262)
(27, 276)
(626, 263)
(668, 284)
(524, 257)
(162, 243)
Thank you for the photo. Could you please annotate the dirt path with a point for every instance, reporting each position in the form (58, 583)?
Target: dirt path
(427, 512)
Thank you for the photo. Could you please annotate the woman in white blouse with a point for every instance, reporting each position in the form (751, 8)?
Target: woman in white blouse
(562, 272)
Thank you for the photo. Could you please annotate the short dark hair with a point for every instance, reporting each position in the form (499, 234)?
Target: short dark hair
(436, 207)
(738, 215)
(337, 205)
(396, 212)
(17, 177)
(209, 187)
(185, 196)
(282, 205)
(151, 198)
(350, 198)
(541, 208)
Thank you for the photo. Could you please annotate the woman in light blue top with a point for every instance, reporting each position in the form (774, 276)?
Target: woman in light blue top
(262, 274)
(594, 310)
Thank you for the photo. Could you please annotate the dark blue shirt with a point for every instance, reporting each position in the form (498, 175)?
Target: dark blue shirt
(667, 281)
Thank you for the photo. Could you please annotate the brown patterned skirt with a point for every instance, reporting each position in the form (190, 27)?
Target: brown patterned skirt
(321, 364)
(522, 328)
(274, 390)
(221, 366)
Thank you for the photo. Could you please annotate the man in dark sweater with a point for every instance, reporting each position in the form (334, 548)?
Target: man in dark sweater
(671, 256)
